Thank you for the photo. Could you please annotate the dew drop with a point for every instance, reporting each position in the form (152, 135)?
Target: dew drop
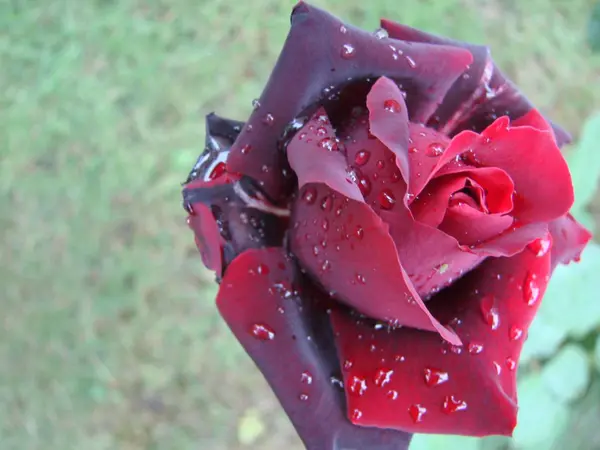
(316, 250)
(452, 404)
(310, 195)
(380, 164)
(434, 150)
(262, 269)
(306, 378)
(456, 349)
(380, 33)
(498, 368)
(541, 246)
(356, 414)
(262, 332)
(511, 364)
(392, 394)
(348, 364)
(303, 397)
(217, 171)
(531, 289)
(413, 150)
(357, 385)
(268, 119)
(329, 144)
(325, 224)
(387, 199)
(411, 62)
(442, 268)
(343, 29)
(348, 51)
(364, 185)
(359, 233)
(392, 105)
(417, 412)
(435, 377)
(255, 104)
(326, 266)
(327, 203)
(383, 377)
(489, 312)
(362, 157)
(475, 348)
(361, 279)
(515, 333)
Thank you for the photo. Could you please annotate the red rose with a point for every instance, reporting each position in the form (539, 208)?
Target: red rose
(383, 227)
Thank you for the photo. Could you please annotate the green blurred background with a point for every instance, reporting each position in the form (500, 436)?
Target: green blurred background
(109, 336)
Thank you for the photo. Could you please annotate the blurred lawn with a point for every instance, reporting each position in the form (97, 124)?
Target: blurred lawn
(110, 338)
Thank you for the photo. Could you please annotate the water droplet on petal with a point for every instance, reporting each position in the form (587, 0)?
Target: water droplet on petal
(262, 332)
(326, 266)
(255, 104)
(442, 268)
(380, 33)
(498, 368)
(268, 119)
(303, 397)
(392, 105)
(362, 157)
(387, 199)
(306, 378)
(325, 224)
(434, 377)
(217, 171)
(515, 333)
(380, 164)
(413, 150)
(383, 377)
(348, 51)
(357, 385)
(392, 394)
(310, 195)
(411, 62)
(434, 149)
(364, 185)
(348, 364)
(511, 364)
(359, 233)
(489, 312)
(343, 29)
(452, 404)
(327, 203)
(262, 269)
(540, 246)
(475, 348)
(356, 414)
(417, 412)
(531, 289)
(361, 279)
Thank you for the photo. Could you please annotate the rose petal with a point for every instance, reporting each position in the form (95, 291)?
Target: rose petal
(347, 248)
(318, 40)
(256, 299)
(568, 239)
(543, 186)
(314, 155)
(207, 237)
(512, 241)
(470, 226)
(480, 95)
(412, 381)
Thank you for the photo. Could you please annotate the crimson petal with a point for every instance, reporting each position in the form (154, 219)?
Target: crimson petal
(208, 239)
(568, 239)
(412, 381)
(320, 41)
(287, 335)
(344, 245)
(478, 97)
(471, 226)
(314, 155)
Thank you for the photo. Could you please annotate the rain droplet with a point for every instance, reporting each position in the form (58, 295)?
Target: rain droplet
(348, 51)
(325, 224)
(515, 333)
(452, 404)
(413, 150)
(380, 164)
(435, 377)
(306, 378)
(326, 266)
(511, 364)
(255, 104)
(489, 312)
(348, 364)
(531, 289)
(217, 171)
(434, 149)
(316, 250)
(303, 397)
(360, 232)
(417, 412)
(336, 382)
(327, 203)
(364, 185)
(343, 29)
(411, 62)
(356, 414)
(442, 268)
(357, 385)
(387, 199)
(540, 246)
(497, 367)
(361, 279)
(329, 144)
(262, 332)
(383, 377)
(262, 269)
(392, 105)
(321, 131)
(380, 33)
(246, 149)
(268, 119)
(310, 195)
(475, 348)
(392, 394)
(362, 157)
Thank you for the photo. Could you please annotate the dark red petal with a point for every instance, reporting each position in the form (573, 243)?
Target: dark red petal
(512, 241)
(480, 95)
(287, 334)
(471, 226)
(207, 237)
(543, 186)
(432, 258)
(412, 381)
(312, 60)
(344, 245)
(388, 120)
(568, 240)
(431, 205)
(315, 156)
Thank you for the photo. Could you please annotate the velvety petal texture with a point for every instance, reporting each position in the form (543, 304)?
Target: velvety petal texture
(383, 228)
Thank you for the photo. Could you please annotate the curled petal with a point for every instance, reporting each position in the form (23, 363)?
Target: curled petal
(286, 332)
(412, 381)
(347, 248)
(568, 239)
(207, 237)
(471, 226)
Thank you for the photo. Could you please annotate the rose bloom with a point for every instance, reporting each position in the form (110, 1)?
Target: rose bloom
(383, 228)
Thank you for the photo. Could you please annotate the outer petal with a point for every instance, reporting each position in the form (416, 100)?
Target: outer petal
(298, 359)
(409, 380)
(209, 241)
(347, 248)
(478, 97)
(316, 56)
(569, 239)
(314, 155)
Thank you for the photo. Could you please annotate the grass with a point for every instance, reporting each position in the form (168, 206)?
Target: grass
(110, 338)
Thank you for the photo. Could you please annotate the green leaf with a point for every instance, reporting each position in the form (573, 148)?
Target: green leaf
(543, 339)
(437, 441)
(597, 353)
(541, 418)
(571, 300)
(584, 163)
(250, 427)
(567, 376)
